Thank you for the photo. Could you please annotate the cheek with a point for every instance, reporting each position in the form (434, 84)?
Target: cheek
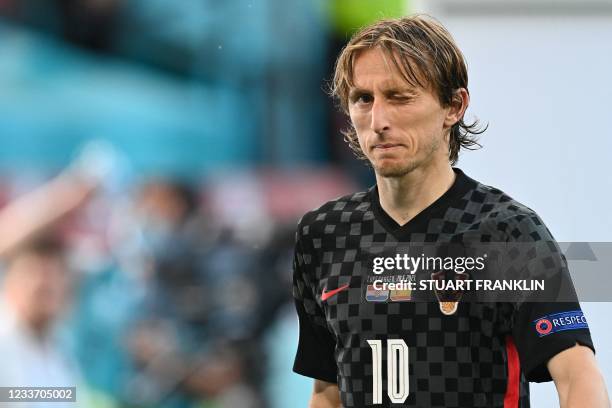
(436, 119)
(423, 125)
(361, 125)
(359, 119)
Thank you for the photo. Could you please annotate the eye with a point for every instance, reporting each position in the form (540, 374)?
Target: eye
(401, 98)
(362, 98)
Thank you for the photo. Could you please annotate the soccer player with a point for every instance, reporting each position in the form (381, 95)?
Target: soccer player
(404, 84)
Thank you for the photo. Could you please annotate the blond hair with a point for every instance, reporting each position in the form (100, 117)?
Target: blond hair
(425, 54)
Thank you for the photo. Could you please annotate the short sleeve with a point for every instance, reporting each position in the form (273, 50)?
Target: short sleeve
(543, 329)
(316, 346)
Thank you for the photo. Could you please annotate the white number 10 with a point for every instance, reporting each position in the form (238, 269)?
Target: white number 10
(397, 370)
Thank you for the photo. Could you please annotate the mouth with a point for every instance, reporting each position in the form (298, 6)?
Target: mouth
(385, 146)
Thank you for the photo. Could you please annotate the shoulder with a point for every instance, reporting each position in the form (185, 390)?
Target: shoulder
(343, 210)
(505, 217)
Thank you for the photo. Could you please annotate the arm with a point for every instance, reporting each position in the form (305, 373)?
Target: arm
(578, 379)
(39, 209)
(325, 395)
(316, 344)
(46, 205)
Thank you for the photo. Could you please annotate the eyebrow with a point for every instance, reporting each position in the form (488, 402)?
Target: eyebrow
(388, 90)
(357, 91)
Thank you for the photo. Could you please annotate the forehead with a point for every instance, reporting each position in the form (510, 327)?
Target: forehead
(374, 67)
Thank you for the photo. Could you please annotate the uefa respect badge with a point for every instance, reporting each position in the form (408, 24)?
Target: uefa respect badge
(556, 322)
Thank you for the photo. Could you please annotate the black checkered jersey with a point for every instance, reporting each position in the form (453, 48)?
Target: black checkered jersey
(385, 349)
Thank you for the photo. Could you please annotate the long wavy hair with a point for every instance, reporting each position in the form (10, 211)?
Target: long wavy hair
(426, 55)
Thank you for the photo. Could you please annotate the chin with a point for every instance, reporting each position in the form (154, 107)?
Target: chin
(397, 169)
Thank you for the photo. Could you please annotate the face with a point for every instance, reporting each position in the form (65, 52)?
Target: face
(38, 287)
(160, 204)
(400, 127)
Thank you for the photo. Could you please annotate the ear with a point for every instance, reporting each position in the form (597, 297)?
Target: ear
(458, 105)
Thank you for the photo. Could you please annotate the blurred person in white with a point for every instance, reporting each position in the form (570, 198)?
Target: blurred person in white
(36, 282)
(35, 291)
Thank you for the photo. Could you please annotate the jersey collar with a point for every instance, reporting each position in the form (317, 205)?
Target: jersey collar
(419, 223)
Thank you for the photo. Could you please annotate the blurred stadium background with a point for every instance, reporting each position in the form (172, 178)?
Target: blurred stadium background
(200, 131)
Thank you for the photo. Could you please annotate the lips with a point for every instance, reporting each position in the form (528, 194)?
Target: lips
(385, 146)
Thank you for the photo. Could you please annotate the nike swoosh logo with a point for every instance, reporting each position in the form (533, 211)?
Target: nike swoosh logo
(326, 295)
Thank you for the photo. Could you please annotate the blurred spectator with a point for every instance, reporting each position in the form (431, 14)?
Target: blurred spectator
(195, 341)
(192, 340)
(35, 292)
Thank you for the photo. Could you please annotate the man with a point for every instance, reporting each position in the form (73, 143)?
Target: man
(34, 293)
(404, 85)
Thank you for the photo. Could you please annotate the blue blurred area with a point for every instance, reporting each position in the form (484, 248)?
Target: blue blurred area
(106, 308)
(184, 87)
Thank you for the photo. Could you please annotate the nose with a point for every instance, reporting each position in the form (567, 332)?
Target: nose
(380, 118)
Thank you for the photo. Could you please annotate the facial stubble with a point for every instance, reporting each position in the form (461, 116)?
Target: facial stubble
(409, 164)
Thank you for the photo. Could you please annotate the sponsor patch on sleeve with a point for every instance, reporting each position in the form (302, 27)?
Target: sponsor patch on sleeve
(562, 321)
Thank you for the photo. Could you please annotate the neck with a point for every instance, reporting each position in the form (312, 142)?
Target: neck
(404, 197)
